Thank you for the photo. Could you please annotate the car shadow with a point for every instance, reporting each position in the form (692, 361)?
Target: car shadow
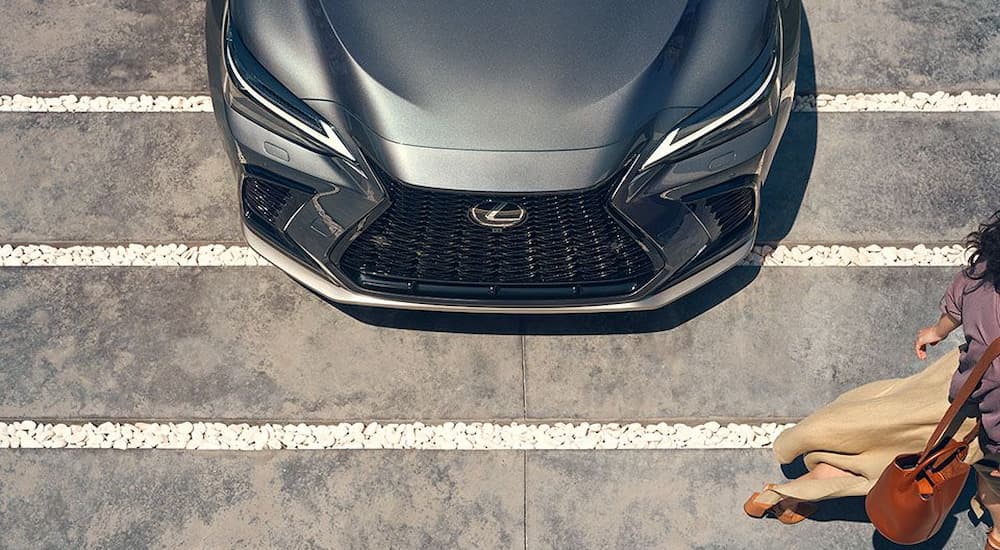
(781, 198)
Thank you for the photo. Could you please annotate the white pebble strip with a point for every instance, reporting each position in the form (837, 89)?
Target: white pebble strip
(898, 102)
(859, 102)
(449, 435)
(129, 255)
(850, 256)
(222, 255)
(105, 104)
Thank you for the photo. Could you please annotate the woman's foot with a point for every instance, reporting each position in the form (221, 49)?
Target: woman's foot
(791, 511)
(787, 510)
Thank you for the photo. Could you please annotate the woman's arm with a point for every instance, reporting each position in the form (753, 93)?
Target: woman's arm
(935, 333)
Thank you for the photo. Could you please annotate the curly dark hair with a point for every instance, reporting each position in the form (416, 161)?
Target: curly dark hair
(984, 262)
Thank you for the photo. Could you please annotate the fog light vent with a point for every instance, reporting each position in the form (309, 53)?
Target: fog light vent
(731, 209)
(265, 200)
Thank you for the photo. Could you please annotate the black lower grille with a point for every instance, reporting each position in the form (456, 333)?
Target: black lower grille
(732, 208)
(264, 199)
(428, 236)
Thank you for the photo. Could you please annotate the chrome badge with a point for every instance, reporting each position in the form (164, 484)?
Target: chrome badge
(497, 214)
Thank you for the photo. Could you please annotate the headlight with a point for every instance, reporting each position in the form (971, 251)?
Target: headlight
(735, 111)
(256, 94)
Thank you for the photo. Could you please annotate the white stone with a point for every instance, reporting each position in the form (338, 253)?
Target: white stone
(459, 435)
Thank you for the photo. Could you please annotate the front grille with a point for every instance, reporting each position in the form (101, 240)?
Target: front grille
(731, 209)
(565, 239)
(264, 199)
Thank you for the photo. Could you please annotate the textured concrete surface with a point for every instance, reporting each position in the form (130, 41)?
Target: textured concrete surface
(86, 46)
(882, 178)
(115, 177)
(381, 499)
(232, 343)
(688, 499)
(372, 499)
(790, 341)
(249, 343)
(858, 45)
(152, 178)
(392, 499)
(894, 45)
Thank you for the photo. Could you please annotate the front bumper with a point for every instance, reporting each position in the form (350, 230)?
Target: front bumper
(304, 242)
(325, 286)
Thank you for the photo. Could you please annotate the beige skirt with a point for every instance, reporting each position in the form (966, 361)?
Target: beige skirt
(864, 429)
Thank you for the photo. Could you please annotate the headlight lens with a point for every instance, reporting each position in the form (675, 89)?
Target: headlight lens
(256, 94)
(725, 117)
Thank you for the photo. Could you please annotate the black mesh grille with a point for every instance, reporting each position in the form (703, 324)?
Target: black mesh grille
(732, 208)
(565, 238)
(264, 199)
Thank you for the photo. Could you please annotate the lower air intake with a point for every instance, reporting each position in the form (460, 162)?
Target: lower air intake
(731, 209)
(265, 200)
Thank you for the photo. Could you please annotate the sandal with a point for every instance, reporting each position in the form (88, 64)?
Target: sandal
(990, 545)
(790, 512)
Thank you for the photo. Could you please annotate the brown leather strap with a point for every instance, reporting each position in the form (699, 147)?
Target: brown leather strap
(971, 436)
(962, 397)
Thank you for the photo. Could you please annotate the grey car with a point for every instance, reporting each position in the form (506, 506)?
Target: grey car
(547, 157)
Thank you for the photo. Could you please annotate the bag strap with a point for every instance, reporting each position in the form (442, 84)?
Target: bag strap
(962, 397)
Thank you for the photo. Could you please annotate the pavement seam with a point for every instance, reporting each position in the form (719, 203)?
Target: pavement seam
(524, 374)
(524, 496)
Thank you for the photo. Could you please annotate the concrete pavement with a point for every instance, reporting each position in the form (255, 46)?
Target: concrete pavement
(230, 344)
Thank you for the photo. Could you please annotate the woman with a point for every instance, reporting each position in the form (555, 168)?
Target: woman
(847, 444)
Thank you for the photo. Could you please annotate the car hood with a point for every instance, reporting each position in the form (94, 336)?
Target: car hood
(505, 76)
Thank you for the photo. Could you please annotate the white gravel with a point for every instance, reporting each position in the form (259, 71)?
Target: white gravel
(105, 104)
(851, 256)
(449, 435)
(860, 102)
(898, 102)
(129, 255)
(234, 255)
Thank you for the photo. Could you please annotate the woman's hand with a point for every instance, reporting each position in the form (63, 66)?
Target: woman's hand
(928, 336)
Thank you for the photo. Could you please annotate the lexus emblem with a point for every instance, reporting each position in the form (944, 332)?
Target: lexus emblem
(497, 215)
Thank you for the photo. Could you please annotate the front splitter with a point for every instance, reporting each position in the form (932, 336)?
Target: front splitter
(342, 295)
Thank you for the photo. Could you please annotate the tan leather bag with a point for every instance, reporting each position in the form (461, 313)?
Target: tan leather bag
(916, 492)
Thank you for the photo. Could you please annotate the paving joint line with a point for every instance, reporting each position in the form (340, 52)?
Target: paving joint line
(524, 373)
(524, 496)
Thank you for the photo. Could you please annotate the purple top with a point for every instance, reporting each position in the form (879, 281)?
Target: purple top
(976, 304)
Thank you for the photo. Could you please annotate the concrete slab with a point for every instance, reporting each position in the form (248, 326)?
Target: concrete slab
(882, 178)
(372, 499)
(230, 343)
(775, 343)
(856, 45)
(688, 499)
(115, 177)
(838, 178)
(103, 47)
(889, 45)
